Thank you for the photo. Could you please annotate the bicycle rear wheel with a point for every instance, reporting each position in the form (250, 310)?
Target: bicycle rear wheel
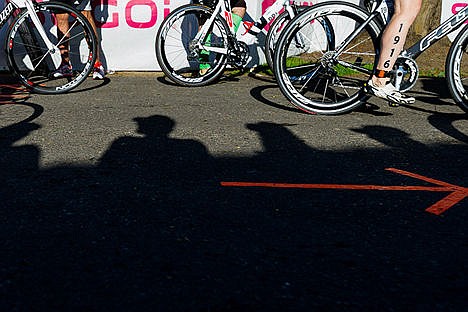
(320, 78)
(457, 69)
(31, 61)
(181, 58)
(274, 32)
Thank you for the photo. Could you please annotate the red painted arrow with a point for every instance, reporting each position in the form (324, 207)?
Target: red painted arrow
(457, 193)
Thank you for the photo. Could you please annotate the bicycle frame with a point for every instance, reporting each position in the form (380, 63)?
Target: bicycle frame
(202, 33)
(29, 6)
(450, 25)
(224, 5)
(381, 9)
(270, 14)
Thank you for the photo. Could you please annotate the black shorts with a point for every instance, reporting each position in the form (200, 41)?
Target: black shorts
(238, 4)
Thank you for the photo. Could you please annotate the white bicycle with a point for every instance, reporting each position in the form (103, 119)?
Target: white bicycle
(192, 30)
(33, 41)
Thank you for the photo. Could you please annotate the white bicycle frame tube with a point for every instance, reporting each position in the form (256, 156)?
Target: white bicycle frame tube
(381, 9)
(270, 14)
(273, 11)
(224, 5)
(203, 32)
(53, 49)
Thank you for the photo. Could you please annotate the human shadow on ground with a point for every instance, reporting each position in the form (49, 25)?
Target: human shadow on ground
(446, 123)
(151, 228)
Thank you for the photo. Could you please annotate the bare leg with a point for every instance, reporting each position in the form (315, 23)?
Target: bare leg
(239, 11)
(394, 36)
(63, 27)
(90, 18)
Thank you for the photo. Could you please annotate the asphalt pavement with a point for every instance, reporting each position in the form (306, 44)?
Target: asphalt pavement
(133, 194)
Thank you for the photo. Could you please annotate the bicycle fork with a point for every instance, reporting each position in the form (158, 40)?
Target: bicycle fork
(53, 50)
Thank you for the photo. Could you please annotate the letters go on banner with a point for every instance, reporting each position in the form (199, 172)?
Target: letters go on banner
(449, 8)
(128, 29)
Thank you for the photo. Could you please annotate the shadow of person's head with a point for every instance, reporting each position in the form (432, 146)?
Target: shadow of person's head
(155, 125)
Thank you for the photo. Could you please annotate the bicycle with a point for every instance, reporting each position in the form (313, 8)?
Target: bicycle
(331, 80)
(193, 28)
(33, 40)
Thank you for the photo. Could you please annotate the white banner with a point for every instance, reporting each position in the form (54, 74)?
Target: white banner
(128, 30)
(449, 8)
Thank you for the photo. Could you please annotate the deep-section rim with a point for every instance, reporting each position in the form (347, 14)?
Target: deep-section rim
(212, 75)
(90, 39)
(320, 10)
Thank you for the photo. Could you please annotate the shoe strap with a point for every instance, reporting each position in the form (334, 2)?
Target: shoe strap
(381, 73)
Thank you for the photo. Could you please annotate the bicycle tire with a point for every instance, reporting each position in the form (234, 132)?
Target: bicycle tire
(280, 23)
(182, 62)
(274, 31)
(456, 68)
(273, 34)
(320, 81)
(33, 64)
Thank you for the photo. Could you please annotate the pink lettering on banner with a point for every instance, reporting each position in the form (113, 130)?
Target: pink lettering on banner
(167, 10)
(148, 24)
(111, 22)
(266, 4)
(457, 7)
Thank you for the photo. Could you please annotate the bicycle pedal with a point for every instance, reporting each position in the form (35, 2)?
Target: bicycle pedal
(393, 104)
(366, 87)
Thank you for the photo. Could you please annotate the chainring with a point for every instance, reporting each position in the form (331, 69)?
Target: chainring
(241, 57)
(406, 73)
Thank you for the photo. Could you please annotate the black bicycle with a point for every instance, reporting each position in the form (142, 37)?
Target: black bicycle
(332, 80)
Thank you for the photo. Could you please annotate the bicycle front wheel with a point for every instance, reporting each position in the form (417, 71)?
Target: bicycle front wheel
(323, 78)
(184, 59)
(457, 69)
(32, 61)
